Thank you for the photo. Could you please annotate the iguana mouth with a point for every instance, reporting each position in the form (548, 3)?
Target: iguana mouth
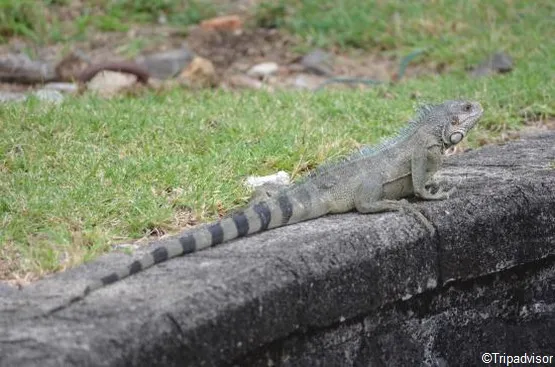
(465, 125)
(473, 119)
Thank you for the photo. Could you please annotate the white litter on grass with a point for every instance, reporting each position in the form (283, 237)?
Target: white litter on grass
(263, 70)
(279, 178)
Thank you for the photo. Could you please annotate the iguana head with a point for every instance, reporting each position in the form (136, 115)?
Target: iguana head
(456, 119)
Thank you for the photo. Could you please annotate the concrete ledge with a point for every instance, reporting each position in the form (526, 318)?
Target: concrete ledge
(342, 290)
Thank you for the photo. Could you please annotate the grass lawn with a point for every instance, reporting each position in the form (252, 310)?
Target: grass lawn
(78, 177)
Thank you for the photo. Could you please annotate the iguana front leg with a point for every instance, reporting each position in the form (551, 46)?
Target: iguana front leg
(369, 199)
(424, 164)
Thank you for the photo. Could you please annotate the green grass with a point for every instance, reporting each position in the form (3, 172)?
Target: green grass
(40, 21)
(455, 32)
(88, 173)
(21, 18)
(91, 172)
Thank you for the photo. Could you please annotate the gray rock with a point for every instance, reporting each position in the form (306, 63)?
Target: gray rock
(62, 87)
(12, 96)
(499, 62)
(6, 289)
(318, 62)
(509, 312)
(344, 290)
(47, 95)
(306, 81)
(168, 64)
(243, 81)
(19, 68)
(43, 95)
(109, 83)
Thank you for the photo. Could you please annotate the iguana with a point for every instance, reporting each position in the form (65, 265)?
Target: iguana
(370, 181)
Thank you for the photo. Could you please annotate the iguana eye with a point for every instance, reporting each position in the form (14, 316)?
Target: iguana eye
(467, 107)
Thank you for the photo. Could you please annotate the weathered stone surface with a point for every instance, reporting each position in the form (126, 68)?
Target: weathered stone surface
(109, 83)
(12, 97)
(200, 73)
(499, 62)
(167, 64)
(49, 95)
(511, 312)
(342, 290)
(318, 62)
(19, 68)
(62, 87)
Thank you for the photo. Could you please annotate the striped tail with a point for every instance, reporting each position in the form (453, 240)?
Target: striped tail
(259, 217)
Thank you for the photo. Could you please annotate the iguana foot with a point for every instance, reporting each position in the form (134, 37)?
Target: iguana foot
(408, 208)
(402, 206)
(440, 194)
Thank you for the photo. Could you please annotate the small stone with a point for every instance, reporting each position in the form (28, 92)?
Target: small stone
(12, 97)
(199, 74)
(19, 68)
(72, 65)
(243, 81)
(108, 83)
(162, 19)
(263, 70)
(318, 62)
(62, 87)
(307, 81)
(231, 23)
(166, 64)
(52, 96)
(499, 62)
(502, 62)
